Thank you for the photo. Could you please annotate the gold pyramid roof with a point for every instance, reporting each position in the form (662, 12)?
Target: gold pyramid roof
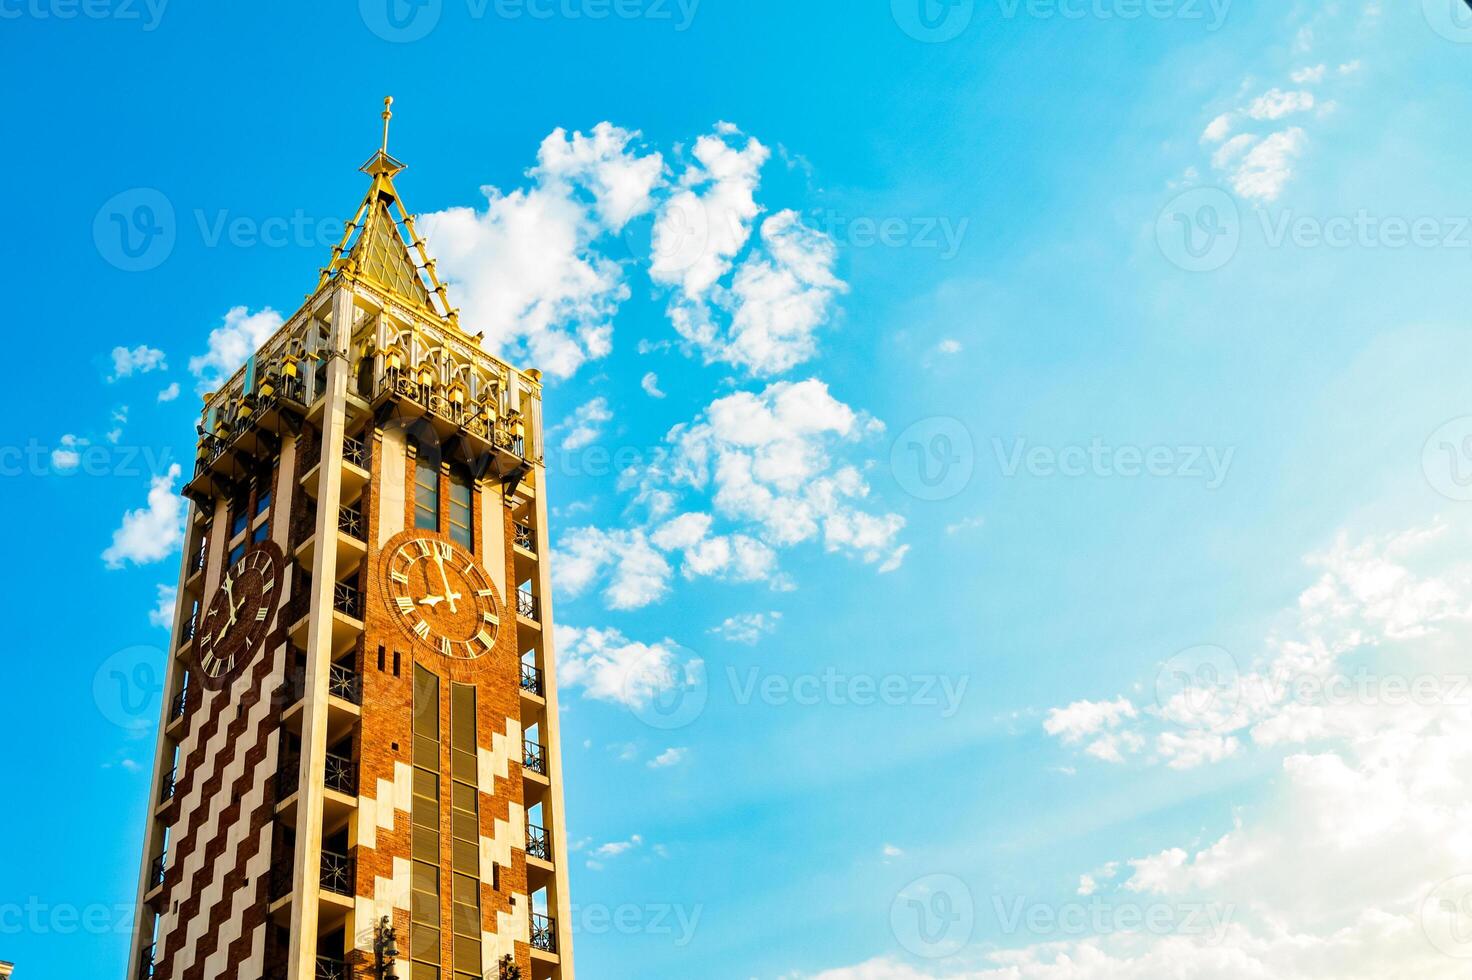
(374, 249)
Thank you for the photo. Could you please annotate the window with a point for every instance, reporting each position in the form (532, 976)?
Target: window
(263, 501)
(261, 532)
(239, 518)
(462, 519)
(236, 553)
(426, 493)
(424, 915)
(465, 831)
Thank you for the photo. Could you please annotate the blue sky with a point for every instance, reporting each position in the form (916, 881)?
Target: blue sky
(987, 375)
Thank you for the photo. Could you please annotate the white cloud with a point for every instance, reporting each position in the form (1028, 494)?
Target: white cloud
(238, 337)
(618, 848)
(650, 384)
(68, 456)
(638, 574)
(1268, 166)
(968, 524)
(585, 425)
(608, 666)
(1277, 103)
(139, 360)
(1310, 76)
(950, 346)
(162, 614)
(1218, 128)
(527, 268)
(169, 393)
(668, 758)
(150, 534)
(747, 628)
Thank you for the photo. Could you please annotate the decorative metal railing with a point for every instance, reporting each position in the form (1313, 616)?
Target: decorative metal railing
(145, 962)
(341, 774)
(179, 705)
(531, 679)
(170, 783)
(157, 869)
(330, 968)
(527, 605)
(524, 536)
(347, 600)
(343, 682)
(535, 757)
(350, 522)
(355, 451)
(337, 873)
(544, 933)
(538, 844)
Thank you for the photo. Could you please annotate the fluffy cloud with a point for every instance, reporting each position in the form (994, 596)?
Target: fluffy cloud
(608, 666)
(767, 470)
(650, 384)
(170, 393)
(139, 360)
(527, 268)
(1266, 168)
(668, 758)
(1353, 866)
(747, 628)
(162, 614)
(68, 455)
(1276, 103)
(238, 337)
(150, 534)
(584, 426)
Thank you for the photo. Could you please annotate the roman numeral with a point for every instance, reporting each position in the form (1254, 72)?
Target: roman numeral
(405, 604)
(444, 549)
(262, 613)
(485, 640)
(400, 577)
(445, 645)
(421, 630)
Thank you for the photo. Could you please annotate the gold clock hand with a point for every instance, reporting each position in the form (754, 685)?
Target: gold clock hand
(450, 596)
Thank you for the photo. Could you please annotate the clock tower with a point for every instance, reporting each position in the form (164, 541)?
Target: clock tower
(358, 771)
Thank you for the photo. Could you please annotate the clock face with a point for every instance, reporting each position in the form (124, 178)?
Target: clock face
(235, 625)
(441, 597)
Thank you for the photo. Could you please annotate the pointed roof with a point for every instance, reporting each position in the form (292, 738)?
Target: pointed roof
(374, 249)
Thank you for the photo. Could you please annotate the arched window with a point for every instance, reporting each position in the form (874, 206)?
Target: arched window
(462, 514)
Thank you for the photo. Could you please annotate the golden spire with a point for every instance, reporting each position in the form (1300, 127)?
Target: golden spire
(388, 113)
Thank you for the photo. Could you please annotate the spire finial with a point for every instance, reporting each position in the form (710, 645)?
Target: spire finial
(388, 113)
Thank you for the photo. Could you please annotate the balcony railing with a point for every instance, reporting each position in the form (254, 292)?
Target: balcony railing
(544, 933)
(526, 604)
(538, 844)
(199, 560)
(531, 679)
(355, 451)
(170, 783)
(535, 757)
(186, 632)
(330, 968)
(341, 774)
(145, 963)
(180, 705)
(337, 873)
(350, 522)
(525, 538)
(343, 682)
(157, 869)
(347, 600)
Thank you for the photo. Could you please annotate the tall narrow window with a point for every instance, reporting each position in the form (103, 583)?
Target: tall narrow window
(465, 828)
(424, 912)
(426, 493)
(462, 519)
